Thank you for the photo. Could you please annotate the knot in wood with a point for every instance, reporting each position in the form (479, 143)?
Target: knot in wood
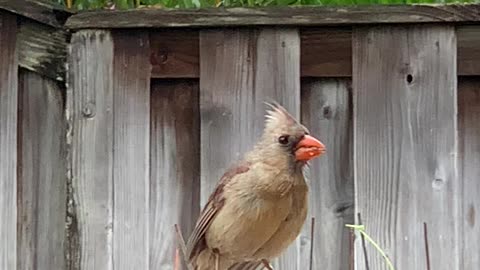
(304, 240)
(88, 110)
(341, 208)
(438, 183)
(159, 58)
(163, 57)
(327, 112)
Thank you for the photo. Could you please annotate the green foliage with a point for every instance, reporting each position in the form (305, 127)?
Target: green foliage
(87, 4)
(361, 229)
(126, 4)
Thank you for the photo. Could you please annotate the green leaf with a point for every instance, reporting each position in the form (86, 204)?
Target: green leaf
(361, 229)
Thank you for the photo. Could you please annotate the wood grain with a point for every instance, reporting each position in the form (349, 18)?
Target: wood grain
(469, 158)
(326, 52)
(226, 110)
(41, 174)
(8, 141)
(43, 11)
(42, 49)
(174, 166)
(131, 81)
(327, 112)
(468, 38)
(174, 54)
(90, 138)
(405, 144)
(241, 69)
(275, 16)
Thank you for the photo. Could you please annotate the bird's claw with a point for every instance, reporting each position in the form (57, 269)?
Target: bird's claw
(267, 264)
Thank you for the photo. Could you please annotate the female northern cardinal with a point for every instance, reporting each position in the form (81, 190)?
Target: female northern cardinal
(259, 206)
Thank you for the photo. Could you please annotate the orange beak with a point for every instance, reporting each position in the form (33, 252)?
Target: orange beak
(309, 148)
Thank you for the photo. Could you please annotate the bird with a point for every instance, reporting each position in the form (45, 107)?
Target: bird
(260, 204)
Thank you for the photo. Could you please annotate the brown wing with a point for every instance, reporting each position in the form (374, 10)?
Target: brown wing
(196, 242)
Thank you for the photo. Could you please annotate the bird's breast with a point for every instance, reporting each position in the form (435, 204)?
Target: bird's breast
(245, 223)
(290, 227)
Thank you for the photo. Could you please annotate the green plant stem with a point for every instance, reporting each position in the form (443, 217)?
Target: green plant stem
(361, 229)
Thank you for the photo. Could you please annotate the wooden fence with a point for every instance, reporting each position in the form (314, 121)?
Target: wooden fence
(115, 125)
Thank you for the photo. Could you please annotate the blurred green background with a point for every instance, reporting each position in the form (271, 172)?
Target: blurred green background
(125, 4)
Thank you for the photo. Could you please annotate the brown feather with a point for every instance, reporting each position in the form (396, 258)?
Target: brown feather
(196, 242)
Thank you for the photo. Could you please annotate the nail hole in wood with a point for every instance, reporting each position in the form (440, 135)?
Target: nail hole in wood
(327, 112)
(409, 78)
(88, 111)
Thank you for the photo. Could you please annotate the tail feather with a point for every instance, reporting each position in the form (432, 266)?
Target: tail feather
(206, 260)
(253, 265)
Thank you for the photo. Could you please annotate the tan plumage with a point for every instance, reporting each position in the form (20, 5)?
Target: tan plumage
(259, 205)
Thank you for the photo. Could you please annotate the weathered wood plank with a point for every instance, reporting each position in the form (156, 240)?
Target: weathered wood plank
(42, 49)
(226, 83)
(326, 52)
(240, 69)
(8, 141)
(90, 116)
(327, 112)
(41, 174)
(174, 54)
(405, 144)
(43, 11)
(469, 158)
(174, 166)
(131, 81)
(468, 58)
(275, 16)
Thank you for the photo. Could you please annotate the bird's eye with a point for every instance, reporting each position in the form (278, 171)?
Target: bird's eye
(283, 139)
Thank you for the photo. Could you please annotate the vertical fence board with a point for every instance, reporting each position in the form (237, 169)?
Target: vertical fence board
(239, 70)
(131, 80)
(89, 111)
(174, 53)
(326, 111)
(8, 141)
(469, 144)
(405, 144)
(326, 52)
(41, 174)
(468, 58)
(175, 166)
(227, 104)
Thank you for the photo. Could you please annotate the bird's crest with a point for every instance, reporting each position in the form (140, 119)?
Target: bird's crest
(277, 116)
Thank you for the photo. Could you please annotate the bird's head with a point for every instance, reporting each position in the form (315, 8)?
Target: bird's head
(284, 135)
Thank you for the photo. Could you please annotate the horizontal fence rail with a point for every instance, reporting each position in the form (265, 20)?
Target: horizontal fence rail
(276, 16)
